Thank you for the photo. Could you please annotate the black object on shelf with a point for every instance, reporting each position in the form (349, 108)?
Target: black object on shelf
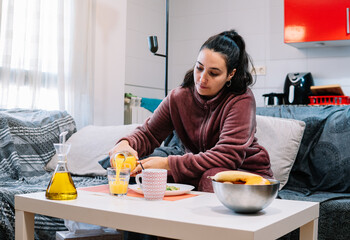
(273, 99)
(297, 88)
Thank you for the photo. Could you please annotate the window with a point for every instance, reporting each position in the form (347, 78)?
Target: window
(46, 59)
(29, 53)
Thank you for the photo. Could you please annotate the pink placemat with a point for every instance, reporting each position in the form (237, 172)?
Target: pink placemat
(105, 189)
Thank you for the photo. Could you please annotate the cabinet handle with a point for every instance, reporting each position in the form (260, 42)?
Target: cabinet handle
(347, 21)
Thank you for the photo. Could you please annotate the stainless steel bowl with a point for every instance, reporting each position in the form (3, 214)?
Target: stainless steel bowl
(246, 198)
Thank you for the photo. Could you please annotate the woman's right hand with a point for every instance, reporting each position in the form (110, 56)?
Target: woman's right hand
(122, 146)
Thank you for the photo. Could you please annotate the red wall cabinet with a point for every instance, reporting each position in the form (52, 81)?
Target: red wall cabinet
(309, 23)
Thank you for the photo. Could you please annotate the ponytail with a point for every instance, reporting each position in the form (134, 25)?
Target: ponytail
(232, 46)
(242, 78)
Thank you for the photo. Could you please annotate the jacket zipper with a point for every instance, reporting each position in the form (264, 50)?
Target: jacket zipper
(203, 128)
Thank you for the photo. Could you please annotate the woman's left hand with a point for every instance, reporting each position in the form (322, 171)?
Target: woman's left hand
(152, 162)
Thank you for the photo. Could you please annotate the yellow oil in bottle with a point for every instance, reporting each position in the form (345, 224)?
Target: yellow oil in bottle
(61, 187)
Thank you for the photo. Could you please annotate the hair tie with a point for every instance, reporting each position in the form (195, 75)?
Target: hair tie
(230, 36)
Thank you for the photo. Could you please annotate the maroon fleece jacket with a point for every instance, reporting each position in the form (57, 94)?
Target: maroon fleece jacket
(216, 132)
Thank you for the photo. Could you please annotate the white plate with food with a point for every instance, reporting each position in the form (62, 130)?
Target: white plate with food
(171, 190)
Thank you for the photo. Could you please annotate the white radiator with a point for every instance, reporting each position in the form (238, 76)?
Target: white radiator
(133, 112)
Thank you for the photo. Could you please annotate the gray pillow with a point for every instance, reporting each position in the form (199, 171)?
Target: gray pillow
(281, 138)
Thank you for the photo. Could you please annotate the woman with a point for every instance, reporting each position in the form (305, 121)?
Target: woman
(213, 114)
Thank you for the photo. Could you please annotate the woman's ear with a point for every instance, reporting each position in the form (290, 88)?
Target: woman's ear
(232, 73)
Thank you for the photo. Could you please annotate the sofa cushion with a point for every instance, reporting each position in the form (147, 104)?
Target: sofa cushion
(281, 138)
(89, 145)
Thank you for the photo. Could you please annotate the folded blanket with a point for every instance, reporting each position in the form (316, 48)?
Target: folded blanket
(27, 138)
(150, 103)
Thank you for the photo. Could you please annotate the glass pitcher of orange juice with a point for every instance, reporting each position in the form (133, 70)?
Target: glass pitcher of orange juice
(124, 160)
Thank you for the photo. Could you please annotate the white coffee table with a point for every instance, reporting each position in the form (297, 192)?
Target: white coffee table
(201, 217)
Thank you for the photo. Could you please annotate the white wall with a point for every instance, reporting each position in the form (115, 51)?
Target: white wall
(145, 73)
(109, 72)
(123, 62)
(122, 55)
(260, 22)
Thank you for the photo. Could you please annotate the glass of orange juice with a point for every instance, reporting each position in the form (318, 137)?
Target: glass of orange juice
(118, 181)
(123, 160)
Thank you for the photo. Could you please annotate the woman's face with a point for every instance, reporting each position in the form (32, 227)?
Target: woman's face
(210, 73)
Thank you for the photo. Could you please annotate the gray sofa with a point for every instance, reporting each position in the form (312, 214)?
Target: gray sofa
(322, 167)
(319, 172)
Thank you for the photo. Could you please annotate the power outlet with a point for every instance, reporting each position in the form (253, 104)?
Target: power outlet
(259, 70)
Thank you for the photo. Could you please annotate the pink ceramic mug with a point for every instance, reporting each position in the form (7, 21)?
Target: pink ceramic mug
(153, 183)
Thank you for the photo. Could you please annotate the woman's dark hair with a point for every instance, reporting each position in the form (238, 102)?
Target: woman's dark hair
(231, 45)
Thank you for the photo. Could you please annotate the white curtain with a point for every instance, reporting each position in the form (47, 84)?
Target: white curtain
(46, 57)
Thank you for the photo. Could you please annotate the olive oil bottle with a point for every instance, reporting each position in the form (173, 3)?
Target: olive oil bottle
(61, 185)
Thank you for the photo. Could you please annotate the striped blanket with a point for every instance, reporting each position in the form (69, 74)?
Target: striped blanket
(26, 145)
